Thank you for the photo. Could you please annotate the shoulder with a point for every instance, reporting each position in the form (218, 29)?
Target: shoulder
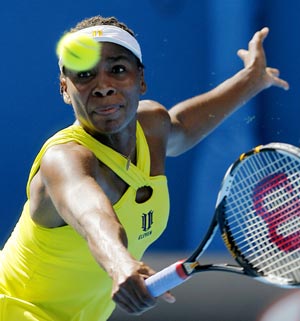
(154, 117)
(67, 157)
(69, 149)
(151, 106)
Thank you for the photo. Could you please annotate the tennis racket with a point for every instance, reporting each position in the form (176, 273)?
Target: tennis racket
(258, 214)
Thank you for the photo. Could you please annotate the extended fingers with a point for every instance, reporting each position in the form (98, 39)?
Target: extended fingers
(168, 297)
(242, 53)
(278, 82)
(254, 45)
(260, 35)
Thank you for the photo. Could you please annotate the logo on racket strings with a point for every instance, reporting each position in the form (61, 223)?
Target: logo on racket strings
(277, 202)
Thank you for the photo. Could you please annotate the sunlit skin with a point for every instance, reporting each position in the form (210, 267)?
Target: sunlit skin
(73, 187)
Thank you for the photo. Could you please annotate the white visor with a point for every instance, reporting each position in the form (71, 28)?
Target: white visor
(107, 33)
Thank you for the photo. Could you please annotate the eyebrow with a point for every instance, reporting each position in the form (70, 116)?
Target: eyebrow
(118, 58)
(112, 59)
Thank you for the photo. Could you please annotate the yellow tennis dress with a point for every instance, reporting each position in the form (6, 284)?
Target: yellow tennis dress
(49, 274)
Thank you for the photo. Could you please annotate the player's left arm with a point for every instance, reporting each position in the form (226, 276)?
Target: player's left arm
(195, 118)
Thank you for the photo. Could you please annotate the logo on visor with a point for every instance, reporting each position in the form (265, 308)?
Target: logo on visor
(97, 33)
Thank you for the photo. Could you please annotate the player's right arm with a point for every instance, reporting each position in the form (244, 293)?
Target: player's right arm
(70, 174)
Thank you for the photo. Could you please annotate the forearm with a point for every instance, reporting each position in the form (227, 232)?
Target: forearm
(108, 245)
(196, 117)
(87, 209)
(107, 241)
(82, 204)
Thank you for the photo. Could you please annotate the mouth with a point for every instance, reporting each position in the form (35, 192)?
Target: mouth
(107, 110)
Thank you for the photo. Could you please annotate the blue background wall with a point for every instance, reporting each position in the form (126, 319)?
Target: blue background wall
(189, 47)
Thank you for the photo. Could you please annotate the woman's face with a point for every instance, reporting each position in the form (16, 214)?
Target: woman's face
(105, 98)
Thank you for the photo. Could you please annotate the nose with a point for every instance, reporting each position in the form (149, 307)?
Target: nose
(103, 92)
(103, 86)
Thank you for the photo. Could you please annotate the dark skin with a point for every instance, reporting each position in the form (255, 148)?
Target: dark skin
(73, 187)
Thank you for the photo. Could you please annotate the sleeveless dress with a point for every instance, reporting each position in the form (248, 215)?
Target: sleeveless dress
(49, 274)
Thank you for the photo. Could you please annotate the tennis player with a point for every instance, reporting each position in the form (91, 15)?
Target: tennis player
(97, 191)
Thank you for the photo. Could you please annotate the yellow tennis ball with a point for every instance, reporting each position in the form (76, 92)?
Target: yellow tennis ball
(78, 52)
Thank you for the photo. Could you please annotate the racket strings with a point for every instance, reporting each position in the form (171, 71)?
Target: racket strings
(281, 264)
(288, 209)
(275, 198)
(253, 227)
(262, 214)
(279, 224)
(248, 206)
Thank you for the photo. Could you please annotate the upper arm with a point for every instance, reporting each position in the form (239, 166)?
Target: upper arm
(69, 174)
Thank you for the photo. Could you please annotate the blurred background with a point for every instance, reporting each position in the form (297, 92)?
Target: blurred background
(189, 47)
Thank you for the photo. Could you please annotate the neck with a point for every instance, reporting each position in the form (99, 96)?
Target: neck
(126, 146)
(123, 142)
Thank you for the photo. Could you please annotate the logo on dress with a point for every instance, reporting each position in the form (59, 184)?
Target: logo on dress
(147, 221)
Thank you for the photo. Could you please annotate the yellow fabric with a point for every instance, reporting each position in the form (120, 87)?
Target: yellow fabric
(49, 274)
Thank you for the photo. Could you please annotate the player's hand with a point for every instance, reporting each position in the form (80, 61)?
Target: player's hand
(255, 58)
(129, 290)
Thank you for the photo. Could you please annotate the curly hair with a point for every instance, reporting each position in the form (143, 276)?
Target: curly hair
(99, 20)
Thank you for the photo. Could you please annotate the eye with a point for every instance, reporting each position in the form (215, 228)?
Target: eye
(118, 69)
(79, 75)
(85, 74)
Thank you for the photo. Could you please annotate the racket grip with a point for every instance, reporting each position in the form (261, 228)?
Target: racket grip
(166, 279)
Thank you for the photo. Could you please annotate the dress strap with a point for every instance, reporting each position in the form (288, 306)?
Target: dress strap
(135, 176)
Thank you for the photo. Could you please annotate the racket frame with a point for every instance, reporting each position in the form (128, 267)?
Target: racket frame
(180, 271)
(192, 264)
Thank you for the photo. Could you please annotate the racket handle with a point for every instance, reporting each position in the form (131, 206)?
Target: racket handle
(166, 279)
